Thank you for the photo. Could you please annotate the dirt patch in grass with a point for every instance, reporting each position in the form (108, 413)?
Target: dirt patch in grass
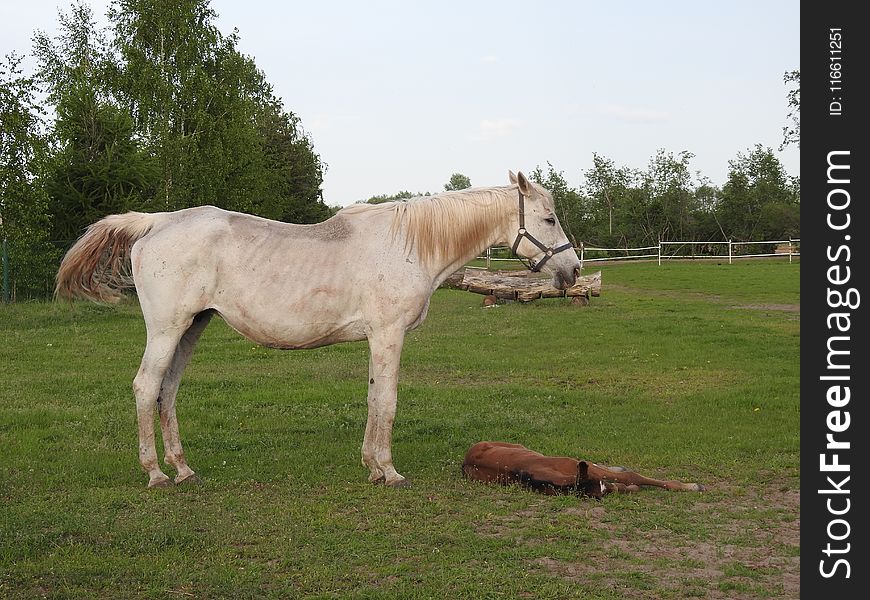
(752, 550)
(795, 308)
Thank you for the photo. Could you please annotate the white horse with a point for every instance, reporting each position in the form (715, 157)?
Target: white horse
(366, 273)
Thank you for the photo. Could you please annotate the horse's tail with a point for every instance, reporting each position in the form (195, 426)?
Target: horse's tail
(97, 267)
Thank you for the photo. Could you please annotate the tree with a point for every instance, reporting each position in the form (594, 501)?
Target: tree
(397, 197)
(79, 54)
(165, 50)
(610, 201)
(24, 221)
(627, 207)
(292, 170)
(791, 134)
(458, 181)
(96, 164)
(759, 200)
(218, 133)
(99, 168)
(669, 197)
(706, 224)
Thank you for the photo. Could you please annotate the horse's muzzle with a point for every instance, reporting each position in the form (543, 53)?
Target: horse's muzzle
(563, 281)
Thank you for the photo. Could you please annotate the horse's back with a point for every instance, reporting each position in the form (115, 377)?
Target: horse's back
(201, 222)
(279, 284)
(207, 237)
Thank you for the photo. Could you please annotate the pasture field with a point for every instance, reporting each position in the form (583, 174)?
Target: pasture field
(687, 371)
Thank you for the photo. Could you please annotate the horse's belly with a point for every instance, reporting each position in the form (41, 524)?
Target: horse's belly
(292, 321)
(296, 335)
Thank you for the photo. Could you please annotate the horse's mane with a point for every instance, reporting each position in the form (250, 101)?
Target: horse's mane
(452, 224)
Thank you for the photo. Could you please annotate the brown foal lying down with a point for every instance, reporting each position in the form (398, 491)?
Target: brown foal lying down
(500, 462)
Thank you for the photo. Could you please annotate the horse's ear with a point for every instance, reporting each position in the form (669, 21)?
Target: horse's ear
(582, 471)
(513, 177)
(524, 184)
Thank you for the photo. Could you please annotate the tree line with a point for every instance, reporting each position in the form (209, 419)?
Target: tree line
(158, 111)
(617, 207)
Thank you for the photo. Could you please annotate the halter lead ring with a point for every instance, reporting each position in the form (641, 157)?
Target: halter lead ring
(548, 251)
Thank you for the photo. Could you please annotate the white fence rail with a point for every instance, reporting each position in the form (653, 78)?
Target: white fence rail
(781, 248)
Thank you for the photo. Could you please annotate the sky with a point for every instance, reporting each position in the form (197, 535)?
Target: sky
(399, 95)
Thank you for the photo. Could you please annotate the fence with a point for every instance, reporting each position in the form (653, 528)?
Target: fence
(685, 250)
(789, 247)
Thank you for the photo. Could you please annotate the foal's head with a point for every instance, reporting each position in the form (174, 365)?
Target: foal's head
(540, 238)
(586, 486)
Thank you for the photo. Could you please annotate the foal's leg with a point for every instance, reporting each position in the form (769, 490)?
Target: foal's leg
(386, 350)
(631, 479)
(173, 452)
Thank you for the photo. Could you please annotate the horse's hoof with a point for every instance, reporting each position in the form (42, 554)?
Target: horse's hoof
(192, 479)
(165, 482)
(399, 483)
(697, 487)
(377, 480)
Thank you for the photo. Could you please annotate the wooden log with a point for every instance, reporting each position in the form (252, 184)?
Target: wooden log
(521, 285)
(455, 280)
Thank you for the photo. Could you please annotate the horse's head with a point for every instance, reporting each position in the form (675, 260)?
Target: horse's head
(539, 236)
(585, 486)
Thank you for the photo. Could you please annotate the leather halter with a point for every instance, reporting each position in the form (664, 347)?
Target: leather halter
(548, 251)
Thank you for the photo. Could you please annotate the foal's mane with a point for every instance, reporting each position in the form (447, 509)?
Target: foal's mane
(452, 224)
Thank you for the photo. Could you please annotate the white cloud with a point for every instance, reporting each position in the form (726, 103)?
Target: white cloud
(489, 59)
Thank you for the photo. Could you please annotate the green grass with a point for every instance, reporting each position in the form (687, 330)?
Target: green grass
(667, 372)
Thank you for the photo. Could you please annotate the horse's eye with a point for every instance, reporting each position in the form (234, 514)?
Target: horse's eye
(550, 220)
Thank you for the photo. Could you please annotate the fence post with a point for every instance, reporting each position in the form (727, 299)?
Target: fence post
(5, 273)
(488, 258)
(660, 253)
(582, 252)
(729, 252)
(789, 250)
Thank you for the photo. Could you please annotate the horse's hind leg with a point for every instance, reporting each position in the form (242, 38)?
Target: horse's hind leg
(159, 352)
(173, 451)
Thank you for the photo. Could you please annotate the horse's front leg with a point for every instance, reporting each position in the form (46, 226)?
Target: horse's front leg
(385, 353)
(368, 447)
